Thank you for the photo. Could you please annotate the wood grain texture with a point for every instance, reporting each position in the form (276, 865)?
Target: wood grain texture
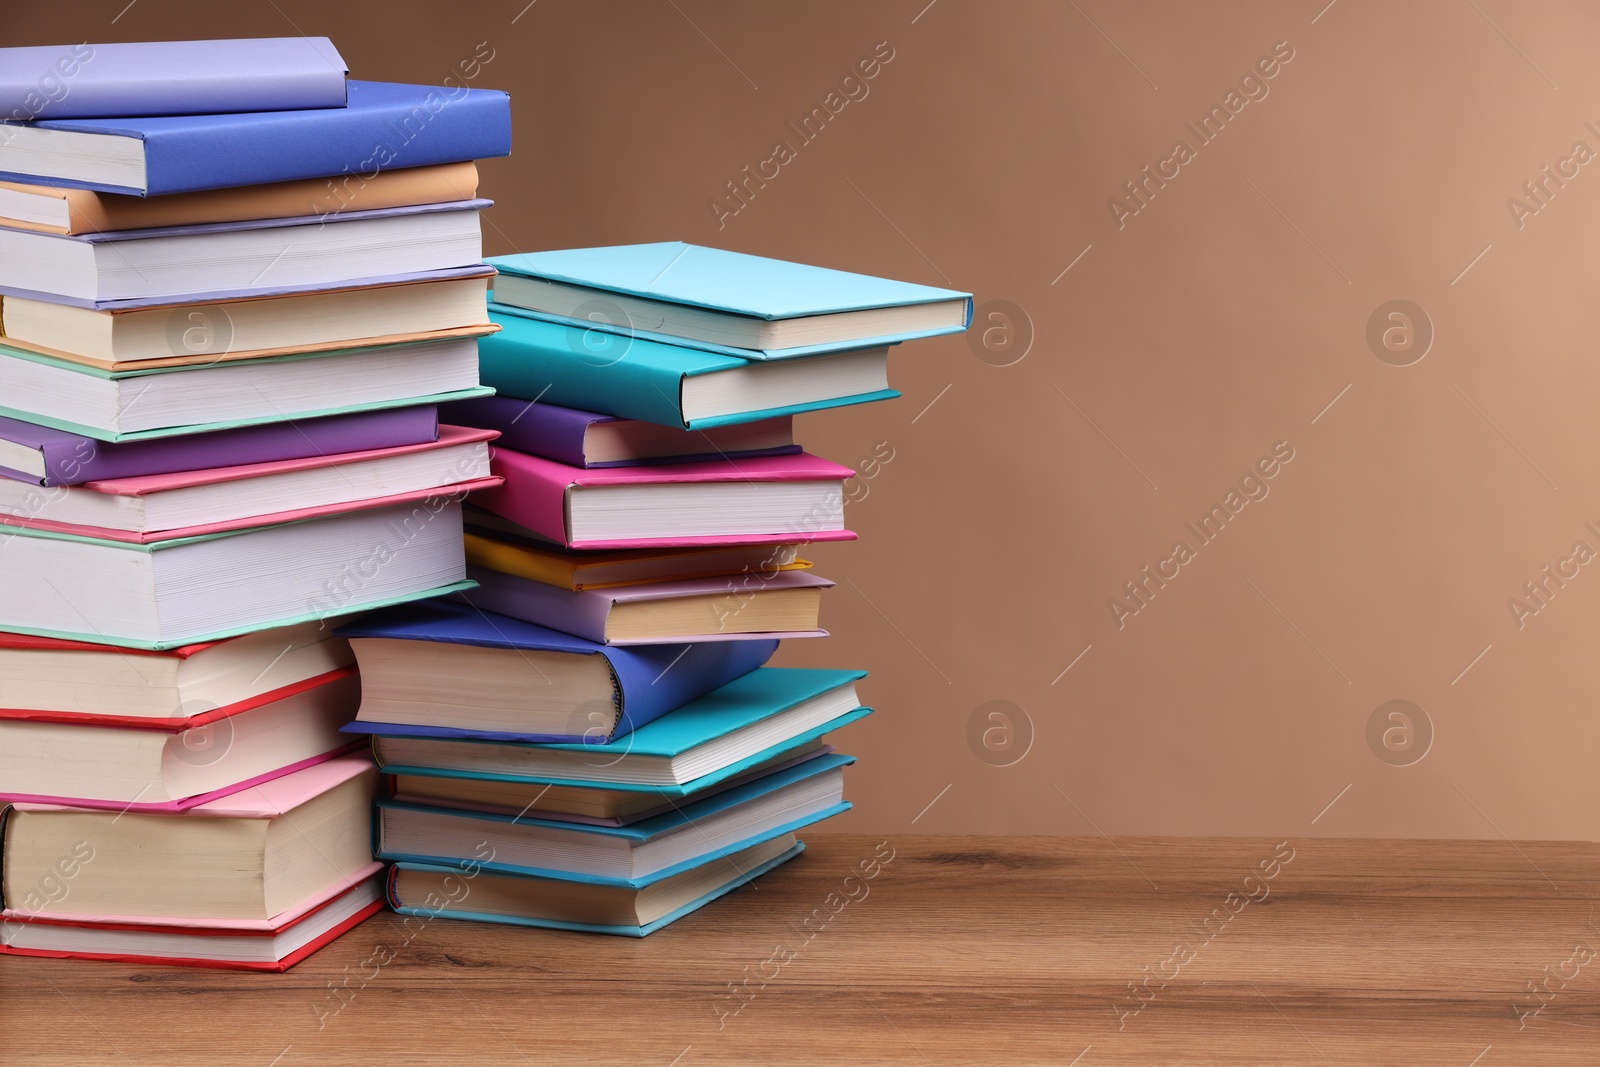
(960, 950)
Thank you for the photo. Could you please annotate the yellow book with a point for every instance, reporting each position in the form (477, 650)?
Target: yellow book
(604, 570)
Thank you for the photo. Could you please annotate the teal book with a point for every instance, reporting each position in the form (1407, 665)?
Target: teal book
(668, 384)
(633, 855)
(749, 306)
(440, 891)
(754, 720)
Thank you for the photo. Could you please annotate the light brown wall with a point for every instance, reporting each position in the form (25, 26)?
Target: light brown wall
(1218, 321)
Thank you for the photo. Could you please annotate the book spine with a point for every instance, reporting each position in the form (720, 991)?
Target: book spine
(565, 375)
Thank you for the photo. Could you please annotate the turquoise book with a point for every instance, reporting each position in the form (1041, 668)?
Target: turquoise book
(758, 720)
(634, 855)
(668, 384)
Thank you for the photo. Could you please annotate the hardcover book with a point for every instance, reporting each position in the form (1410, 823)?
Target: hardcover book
(385, 125)
(669, 384)
(53, 680)
(170, 77)
(246, 857)
(634, 855)
(164, 594)
(51, 209)
(253, 257)
(449, 670)
(45, 456)
(571, 904)
(157, 768)
(427, 306)
(190, 503)
(590, 440)
(493, 544)
(275, 944)
(162, 402)
(763, 500)
(751, 607)
(727, 732)
(729, 302)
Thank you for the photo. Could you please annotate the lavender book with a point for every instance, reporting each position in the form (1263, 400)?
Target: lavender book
(50, 457)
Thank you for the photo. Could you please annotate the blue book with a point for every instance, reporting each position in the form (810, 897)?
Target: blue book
(634, 855)
(668, 384)
(386, 126)
(515, 681)
(728, 302)
(439, 891)
(170, 77)
(754, 721)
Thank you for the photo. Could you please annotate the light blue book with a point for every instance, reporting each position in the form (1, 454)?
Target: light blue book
(434, 891)
(728, 302)
(635, 855)
(754, 719)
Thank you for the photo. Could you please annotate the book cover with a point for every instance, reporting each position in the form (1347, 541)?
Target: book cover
(788, 747)
(635, 833)
(730, 282)
(86, 211)
(559, 433)
(585, 613)
(159, 538)
(743, 878)
(222, 944)
(70, 459)
(650, 680)
(170, 77)
(535, 493)
(635, 378)
(385, 125)
(579, 569)
(151, 722)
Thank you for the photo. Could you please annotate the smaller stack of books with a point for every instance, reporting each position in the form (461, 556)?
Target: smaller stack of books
(223, 343)
(590, 739)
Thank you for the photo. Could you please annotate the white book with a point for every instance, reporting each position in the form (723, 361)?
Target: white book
(270, 254)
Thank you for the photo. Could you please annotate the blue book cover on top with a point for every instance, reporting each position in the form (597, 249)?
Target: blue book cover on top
(385, 126)
(719, 280)
(732, 283)
(651, 680)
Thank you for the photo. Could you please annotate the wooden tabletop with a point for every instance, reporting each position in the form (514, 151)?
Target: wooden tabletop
(926, 950)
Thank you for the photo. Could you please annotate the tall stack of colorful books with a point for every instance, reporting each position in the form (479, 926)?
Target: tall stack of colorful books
(590, 739)
(231, 304)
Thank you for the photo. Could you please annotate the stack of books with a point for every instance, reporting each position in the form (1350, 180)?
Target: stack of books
(232, 302)
(590, 738)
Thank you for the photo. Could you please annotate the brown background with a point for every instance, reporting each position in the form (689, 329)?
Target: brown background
(1220, 320)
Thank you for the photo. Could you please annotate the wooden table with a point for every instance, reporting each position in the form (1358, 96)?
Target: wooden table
(958, 950)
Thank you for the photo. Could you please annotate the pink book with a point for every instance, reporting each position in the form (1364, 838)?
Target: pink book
(684, 504)
(357, 472)
(215, 802)
(277, 922)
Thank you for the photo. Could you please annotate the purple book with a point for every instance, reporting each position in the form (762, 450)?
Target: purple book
(591, 440)
(44, 456)
(170, 77)
(593, 614)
